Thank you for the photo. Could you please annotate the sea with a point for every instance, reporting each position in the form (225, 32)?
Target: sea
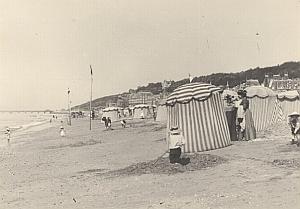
(18, 121)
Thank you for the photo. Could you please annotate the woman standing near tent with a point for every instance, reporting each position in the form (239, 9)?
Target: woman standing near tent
(249, 132)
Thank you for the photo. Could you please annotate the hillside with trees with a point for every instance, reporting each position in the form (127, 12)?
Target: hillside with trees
(233, 79)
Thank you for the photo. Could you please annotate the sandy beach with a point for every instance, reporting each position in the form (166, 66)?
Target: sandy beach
(43, 170)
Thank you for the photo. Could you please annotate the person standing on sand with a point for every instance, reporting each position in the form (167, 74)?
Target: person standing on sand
(7, 133)
(62, 130)
(104, 119)
(240, 122)
(294, 122)
(249, 132)
(123, 123)
(176, 141)
(154, 115)
(142, 115)
(109, 123)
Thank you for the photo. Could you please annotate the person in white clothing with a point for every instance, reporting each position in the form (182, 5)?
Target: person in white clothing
(62, 130)
(294, 122)
(176, 141)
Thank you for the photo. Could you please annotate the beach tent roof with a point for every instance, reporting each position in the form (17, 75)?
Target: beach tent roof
(259, 91)
(288, 95)
(197, 91)
(141, 106)
(111, 109)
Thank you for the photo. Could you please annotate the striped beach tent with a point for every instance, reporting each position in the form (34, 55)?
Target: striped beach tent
(266, 109)
(161, 111)
(198, 110)
(111, 112)
(290, 102)
(141, 109)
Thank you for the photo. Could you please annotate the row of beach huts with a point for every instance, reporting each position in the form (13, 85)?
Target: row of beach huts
(199, 110)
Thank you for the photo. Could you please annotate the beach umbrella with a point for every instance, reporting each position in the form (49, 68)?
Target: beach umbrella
(290, 102)
(198, 110)
(265, 107)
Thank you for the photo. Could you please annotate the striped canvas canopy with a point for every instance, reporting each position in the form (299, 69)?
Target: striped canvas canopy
(141, 106)
(108, 109)
(259, 91)
(290, 95)
(198, 110)
(191, 91)
(290, 102)
(265, 107)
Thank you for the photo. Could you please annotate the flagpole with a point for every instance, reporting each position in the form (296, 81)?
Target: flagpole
(69, 110)
(91, 97)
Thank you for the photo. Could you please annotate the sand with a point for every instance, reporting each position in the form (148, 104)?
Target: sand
(43, 170)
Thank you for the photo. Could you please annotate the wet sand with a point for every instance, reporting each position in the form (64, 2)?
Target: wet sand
(48, 171)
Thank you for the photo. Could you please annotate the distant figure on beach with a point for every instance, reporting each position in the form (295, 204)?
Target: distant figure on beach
(108, 123)
(123, 123)
(105, 122)
(176, 141)
(7, 133)
(154, 116)
(142, 115)
(294, 122)
(62, 130)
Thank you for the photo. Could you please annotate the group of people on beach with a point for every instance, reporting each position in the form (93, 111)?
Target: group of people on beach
(107, 122)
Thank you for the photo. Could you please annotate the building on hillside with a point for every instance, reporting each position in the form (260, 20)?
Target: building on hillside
(281, 83)
(142, 98)
(122, 101)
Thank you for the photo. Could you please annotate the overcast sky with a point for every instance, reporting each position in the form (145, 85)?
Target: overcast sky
(47, 46)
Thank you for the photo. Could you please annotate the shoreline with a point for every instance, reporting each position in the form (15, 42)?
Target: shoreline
(24, 130)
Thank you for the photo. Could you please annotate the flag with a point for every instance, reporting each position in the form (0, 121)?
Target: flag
(190, 78)
(91, 70)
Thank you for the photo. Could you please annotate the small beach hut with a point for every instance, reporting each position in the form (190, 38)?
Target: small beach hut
(198, 110)
(289, 101)
(161, 111)
(141, 110)
(264, 106)
(111, 112)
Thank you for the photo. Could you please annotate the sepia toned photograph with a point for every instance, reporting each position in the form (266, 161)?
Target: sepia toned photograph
(157, 104)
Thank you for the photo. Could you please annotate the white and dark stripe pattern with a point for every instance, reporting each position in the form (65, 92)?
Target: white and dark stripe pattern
(191, 91)
(289, 106)
(265, 112)
(290, 102)
(203, 123)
